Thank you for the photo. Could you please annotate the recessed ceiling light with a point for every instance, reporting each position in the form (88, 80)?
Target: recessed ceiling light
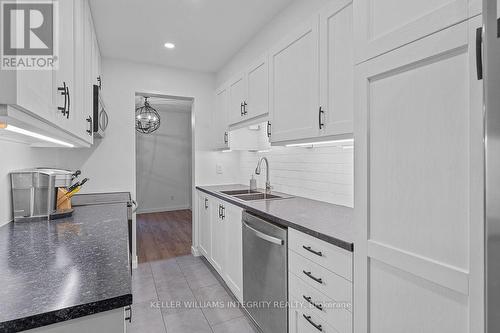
(169, 45)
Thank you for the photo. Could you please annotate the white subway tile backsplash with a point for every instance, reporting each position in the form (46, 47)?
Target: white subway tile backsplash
(320, 173)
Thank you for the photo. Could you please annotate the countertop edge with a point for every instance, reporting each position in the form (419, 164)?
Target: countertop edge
(330, 239)
(61, 315)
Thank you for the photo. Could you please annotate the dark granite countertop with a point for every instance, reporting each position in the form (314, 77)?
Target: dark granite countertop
(329, 222)
(64, 269)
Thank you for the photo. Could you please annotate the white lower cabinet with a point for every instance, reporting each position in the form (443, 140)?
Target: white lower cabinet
(218, 236)
(205, 224)
(320, 287)
(220, 239)
(233, 270)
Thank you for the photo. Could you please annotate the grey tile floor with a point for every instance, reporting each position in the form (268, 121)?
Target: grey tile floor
(182, 295)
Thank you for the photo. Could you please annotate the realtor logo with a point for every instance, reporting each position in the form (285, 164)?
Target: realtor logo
(28, 36)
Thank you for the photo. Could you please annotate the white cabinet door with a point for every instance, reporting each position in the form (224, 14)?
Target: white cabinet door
(419, 187)
(205, 224)
(64, 76)
(336, 64)
(221, 135)
(294, 83)
(384, 25)
(237, 99)
(233, 269)
(218, 237)
(35, 90)
(258, 89)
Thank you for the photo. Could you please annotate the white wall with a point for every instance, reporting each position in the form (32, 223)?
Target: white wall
(163, 161)
(322, 173)
(297, 12)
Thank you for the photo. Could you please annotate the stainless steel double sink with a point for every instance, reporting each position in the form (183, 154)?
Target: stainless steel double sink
(252, 195)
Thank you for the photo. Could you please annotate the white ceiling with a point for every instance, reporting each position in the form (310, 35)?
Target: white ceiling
(207, 33)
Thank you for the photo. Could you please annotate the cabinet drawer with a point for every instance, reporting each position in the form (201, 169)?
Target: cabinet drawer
(301, 320)
(320, 305)
(325, 254)
(332, 285)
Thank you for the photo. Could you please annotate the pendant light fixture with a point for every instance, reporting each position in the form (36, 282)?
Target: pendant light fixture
(147, 119)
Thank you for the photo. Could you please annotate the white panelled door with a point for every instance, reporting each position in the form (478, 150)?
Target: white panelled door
(257, 89)
(419, 181)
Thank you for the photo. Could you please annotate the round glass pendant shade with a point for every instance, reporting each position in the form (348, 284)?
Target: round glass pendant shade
(147, 119)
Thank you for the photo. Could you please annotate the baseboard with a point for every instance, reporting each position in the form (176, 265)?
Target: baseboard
(161, 209)
(195, 252)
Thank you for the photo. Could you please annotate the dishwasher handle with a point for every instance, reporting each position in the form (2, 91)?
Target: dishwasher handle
(264, 236)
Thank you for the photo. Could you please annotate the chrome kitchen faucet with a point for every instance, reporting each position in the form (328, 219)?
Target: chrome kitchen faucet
(257, 172)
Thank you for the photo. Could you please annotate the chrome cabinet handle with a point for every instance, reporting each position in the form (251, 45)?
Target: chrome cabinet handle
(316, 326)
(479, 53)
(64, 92)
(69, 102)
(89, 120)
(268, 129)
(226, 138)
(264, 236)
(308, 248)
(206, 203)
(309, 275)
(309, 300)
(129, 316)
(245, 108)
(320, 114)
(241, 109)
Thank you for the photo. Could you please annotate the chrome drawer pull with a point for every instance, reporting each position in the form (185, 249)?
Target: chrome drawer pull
(308, 248)
(319, 280)
(316, 326)
(308, 299)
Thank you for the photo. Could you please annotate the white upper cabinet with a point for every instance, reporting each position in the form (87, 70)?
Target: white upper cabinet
(419, 187)
(257, 101)
(336, 68)
(60, 98)
(64, 76)
(237, 97)
(384, 25)
(221, 133)
(249, 94)
(294, 84)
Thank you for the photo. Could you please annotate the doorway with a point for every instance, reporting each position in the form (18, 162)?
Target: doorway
(164, 179)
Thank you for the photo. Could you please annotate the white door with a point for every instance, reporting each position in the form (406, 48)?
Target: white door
(237, 99)
(205, 224)
(221, 136)
(294, 83)
(419, 188)
(233, 268)
(336, 64)
(384, 25)
(218, 237)
(258, 89)
(64, 75)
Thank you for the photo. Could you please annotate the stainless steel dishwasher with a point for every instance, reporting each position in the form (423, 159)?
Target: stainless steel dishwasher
(265, 273)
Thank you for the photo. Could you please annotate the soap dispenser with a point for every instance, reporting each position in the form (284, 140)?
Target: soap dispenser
(253, 183)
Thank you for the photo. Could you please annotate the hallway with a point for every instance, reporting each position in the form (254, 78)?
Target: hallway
(163, 235)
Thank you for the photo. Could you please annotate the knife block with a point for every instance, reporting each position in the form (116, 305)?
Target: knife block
(63, 199)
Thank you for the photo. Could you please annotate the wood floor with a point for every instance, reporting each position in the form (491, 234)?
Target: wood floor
(163, 235)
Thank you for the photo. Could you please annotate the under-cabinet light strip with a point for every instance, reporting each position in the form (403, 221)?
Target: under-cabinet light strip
(36, 135)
